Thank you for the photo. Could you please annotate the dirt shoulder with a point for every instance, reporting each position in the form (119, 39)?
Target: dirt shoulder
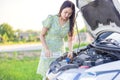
(20, 55)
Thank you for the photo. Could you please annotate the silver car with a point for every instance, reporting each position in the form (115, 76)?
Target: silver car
(99, 60)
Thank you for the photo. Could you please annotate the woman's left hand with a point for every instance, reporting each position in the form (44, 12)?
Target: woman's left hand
(70, 55)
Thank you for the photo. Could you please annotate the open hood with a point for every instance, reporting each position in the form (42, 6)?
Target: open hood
(100, 15)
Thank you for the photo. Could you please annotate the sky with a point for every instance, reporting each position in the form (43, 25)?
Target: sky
(27, 14)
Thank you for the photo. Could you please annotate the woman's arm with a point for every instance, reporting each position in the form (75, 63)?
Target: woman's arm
(42, 38)
(70, 46)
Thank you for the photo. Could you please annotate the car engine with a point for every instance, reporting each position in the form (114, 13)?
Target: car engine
(101, 51)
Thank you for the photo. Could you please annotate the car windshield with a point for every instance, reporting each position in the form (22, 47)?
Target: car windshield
(111, 39)
(114, 36)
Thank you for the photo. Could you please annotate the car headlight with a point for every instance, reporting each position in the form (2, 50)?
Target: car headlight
(88, 76)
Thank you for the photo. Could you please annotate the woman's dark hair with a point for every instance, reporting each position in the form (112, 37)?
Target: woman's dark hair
(72, 17)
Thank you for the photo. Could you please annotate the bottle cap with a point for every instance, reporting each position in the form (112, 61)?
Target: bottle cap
(67, 59)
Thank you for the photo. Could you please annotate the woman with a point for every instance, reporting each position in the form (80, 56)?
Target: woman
(55, 28)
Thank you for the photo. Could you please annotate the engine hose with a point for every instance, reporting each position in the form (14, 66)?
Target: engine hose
(105, 48)
(111, 51)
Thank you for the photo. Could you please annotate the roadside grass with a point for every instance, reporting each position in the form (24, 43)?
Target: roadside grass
(80, 45)
(14, 69)
(18, 43)
(17, 68)
(75, 46)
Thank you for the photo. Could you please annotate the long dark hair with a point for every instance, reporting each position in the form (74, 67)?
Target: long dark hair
(72, 17)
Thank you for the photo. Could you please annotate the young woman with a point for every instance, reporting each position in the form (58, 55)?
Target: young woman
(55, 28)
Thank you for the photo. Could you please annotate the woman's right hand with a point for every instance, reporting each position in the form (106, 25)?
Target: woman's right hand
(48, 53)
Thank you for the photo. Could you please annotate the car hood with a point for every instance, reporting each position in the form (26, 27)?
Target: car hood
(102, 72)
(100, 15)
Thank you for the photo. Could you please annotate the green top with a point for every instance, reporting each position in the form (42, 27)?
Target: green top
(56, 33)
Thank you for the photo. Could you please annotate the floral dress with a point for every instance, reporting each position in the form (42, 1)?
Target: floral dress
(54, 40)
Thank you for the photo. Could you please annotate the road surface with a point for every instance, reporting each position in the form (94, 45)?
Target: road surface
(21, 47)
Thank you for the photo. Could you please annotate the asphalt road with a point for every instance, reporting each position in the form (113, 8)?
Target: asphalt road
(21, 47)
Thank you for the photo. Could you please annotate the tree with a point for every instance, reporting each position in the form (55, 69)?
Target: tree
(17, 35)
(5, 38)
(6, 29)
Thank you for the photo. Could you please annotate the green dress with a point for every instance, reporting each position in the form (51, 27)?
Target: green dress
(54, 40)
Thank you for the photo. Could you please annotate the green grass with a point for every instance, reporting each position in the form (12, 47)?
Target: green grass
(18, 43)
(78, 46)
(13, 69)
(81, 45)
(21, 69)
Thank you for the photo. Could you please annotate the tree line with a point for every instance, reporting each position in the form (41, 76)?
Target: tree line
(7, 34)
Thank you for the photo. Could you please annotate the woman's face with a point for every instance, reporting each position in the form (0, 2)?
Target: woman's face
(66, 13)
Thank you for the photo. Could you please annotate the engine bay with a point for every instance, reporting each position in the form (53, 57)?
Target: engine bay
(94, 54)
